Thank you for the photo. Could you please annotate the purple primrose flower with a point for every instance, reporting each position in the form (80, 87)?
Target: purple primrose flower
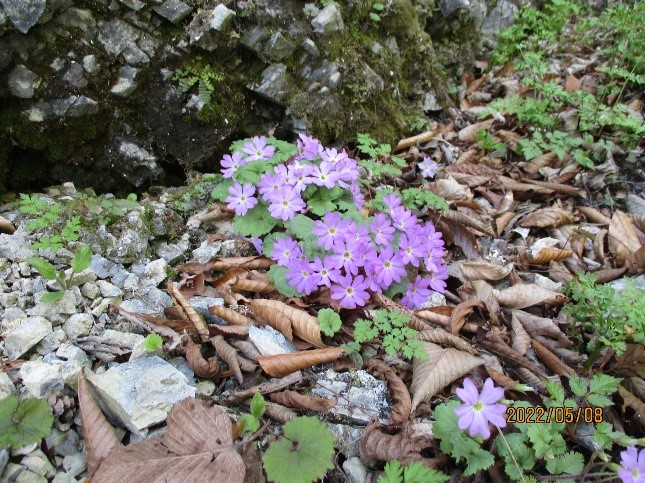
(257, 149)
(632, 465)
(230, 164)
(330, 230)
(286, 203)
(301, 276)
(350, 292)
(428, 167)
(285, 250)
(417, 293)
(480, 409)
(241, 199)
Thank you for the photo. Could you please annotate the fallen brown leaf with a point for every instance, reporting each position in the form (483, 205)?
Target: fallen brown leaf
(283, 364)
(551, 217)
(296, 400)
(206, 368)
(375, 446)
(623, 240)
(301, 323)
(400, 403)
(525, 295)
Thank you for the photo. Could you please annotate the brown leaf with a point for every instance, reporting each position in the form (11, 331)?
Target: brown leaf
(528, 294)
(223, 264)
(302, 324)
(229, 355)
(468, 157)
(283, 364)
(593, 215)
(510, 184)
(446, 339)
(541, 326)
(468, 133)
(98, 435)
(375, 446)
(296, 400)
(521, 338)
(208, 369)
(527, 376)
(465, 220)
(267, 387)
(494, 343)
(230, 277)
(442, 367)
(510, 138)
(481, 270)
(449, 189)
(194, 316)
(231, 316)
(500, 379)
(572, 83)
(633, 402)
(6, 226)
(143, 321)
(400, 403)
(279, 413)
(636, 261)
(551, 361)
(563, 189)
(197, 446)
(257, 286)
(548, 218)
(233, 331)
(461, 312)
(460, 236)
(247, 348)
(548, 254)
(418, 139)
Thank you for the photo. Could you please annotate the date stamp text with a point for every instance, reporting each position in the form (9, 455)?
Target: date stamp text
(554, 414)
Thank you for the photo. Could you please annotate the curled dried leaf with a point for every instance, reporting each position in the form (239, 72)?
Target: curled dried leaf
(279, 413)
(257, 286)
(206, 368)
(531, 379)
(521, 339)
(303, 325)
(283, 364)
(495, 344)
(541, 326)
(551, 217)
(247, 348)
(633, 402)
(296, 400)
(549, 254)
(229, 355)
(551, 361)
(375, 446)
(468, 133)
(401, 404)
(500, 378)
(461, 312)
(469, 221)
(234, 331)
(482, 270)
(525, 295)
(246, 365)
(446, 339)
(231, 316)
(194, 316)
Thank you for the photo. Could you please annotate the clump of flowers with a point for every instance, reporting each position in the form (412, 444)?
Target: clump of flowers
(305, 201)
(480, 409)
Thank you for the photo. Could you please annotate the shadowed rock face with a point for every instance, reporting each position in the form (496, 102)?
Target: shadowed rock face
(119, 95)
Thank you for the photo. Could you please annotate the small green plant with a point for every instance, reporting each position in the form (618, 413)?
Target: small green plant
(559, 142)
(329, 321)
(106, 210)
(152, 342)
(303, 454)
(23, 422)
(392, 329)
(375, 13)
(380, 162)
(82, 259)
(415, 472)
(611, 317)
(487, 141)
(197, 72)
(252, 420)
(45, 213)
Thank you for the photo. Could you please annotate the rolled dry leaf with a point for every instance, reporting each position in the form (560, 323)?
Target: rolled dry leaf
(237, 331)
(6, 226)
(500, 378)
(250, 263)
(525, 295)
(551, 361)
(197, 320)
(549, 254)
(593, 215)
(247, 348)
(205, 368)
(400, 402)
(375, 446)
(267, 387)
(534, 166)
(502, 221)
(296, 400)
(527, 376)
(510, 184)
(302, 324)
(468, 157)
(231, 276)
(279, 413)
(283, 364)
(465, 220)
(563, 189)
(418, 139)
(609, 274)
(461, 312)
(229, 355)
(446, 339)
(231, 316)
(246, 365)
(257, 286)
(495, 344)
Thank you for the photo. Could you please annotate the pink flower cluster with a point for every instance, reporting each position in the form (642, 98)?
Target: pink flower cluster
(356, 256)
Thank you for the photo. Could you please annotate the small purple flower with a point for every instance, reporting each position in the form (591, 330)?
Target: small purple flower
(417, 293)
(388, 268)
(309, 148)
(301, 276)
(357, 194)
(403, 219)
(382, 229)
(358, 234)
(347, 255)
(480, 409)
(257, 149)
(632, 465)
(324, 269)
(333, 157)
(299, 176)
(330, 230)
(230, 164)
(271, 184)
(430, 239)
(350, 292)
(285, 250)
(428, 167)
(391, 202)
(257, 244)
(324, 175)
(286, 203)
(438, 278)
(410, 249)
(241, 199)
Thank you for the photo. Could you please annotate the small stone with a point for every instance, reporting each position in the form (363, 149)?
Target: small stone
(126, 84)
(116, 36)
(23, 82)
(174, 10)
(108, 289)
(149, 300)
(6, 388)
(279, 47)
(26, 335)
(135, 5)
(90, 64)
(140, 393)
(90, 290)
(52, 342)
(355, 470)
(78, 325)
(74, 75)
(221, 18)
(75, 463)
(8, 300)
(64, 443)
(201, 304)
(328, 20)
(16, 247)
(102, 267)
(206, 388)
(269, 341)
(40, 379)
(172, 253)
(430, 102)
(275, 84)
(58, 311)
(24, 14)
(310, 47)
(39, 464)
(347, 438)
(154, 273)
(64, 478)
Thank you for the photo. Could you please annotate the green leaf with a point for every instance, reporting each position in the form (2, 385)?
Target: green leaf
(82, 258)
(521, 452)
(251, 423)
(258, 405)
(278, 277)
(45, 268)
(604, 384)
(152, 342)
(555, 390)
(301, 226)
(324, 199)
(220, 192)
(578, 385)
(303, 455)
(24, 422)
(251, 172)
(269, 241)
(599, 400)
(546, 442)
(393, 473)
(257, 222)
(415, 472)
(52, 296)
(570, 463)
(364, 330)
(329, 321)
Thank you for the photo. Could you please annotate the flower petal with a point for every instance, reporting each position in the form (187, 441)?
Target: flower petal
(491, 394)
(468, 393)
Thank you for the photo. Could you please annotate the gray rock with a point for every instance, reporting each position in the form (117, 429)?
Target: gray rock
(174, 10)
(91, 64)
(64, 443)
(137, 156)
(15, 247)
(4, 459)
(75, 463)
(26, 335)
(140, 393)
(275, 84)
(201, 304)
(109, 290)
(58, 311)
(430, 102)
(359, 395)
(78, 18)
(9, 300)
(149, 300)
(173, 253)
(133, 4)
(6, 388)
(73, 106)
(40, 379)
(269, 341)
(205, 388)
(371, 79)
(502, 16)
(206, 251)
(154, 273)
(64, 478)
(450, 7)
(78, 325)
(620, 284)
(328, 20)
(126, 84)
(134, 55)
(311, 48)
(52, 342)
(74, 75)
(347, 438)
(221, 18)
(39, 464)
(24, 14)
(279, 47)
(116, 36)
(23, 82)
(20, 474)
(181, 364)
(355, 470)
(90, 290)
(104, 268)
(254, 38)
(13, 313)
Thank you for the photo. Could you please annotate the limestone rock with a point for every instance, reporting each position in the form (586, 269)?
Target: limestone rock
(328, 20)
(24, 14)
(174, 10)
(26, 335)
(221, 18)
(23, 82)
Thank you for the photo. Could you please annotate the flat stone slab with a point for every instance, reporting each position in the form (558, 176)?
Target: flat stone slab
(26, 335)
(140, 393)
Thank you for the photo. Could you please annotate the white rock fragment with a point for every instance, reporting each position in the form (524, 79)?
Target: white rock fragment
(26, 335)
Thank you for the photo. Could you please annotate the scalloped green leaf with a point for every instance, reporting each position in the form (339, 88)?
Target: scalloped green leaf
(24, 422)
